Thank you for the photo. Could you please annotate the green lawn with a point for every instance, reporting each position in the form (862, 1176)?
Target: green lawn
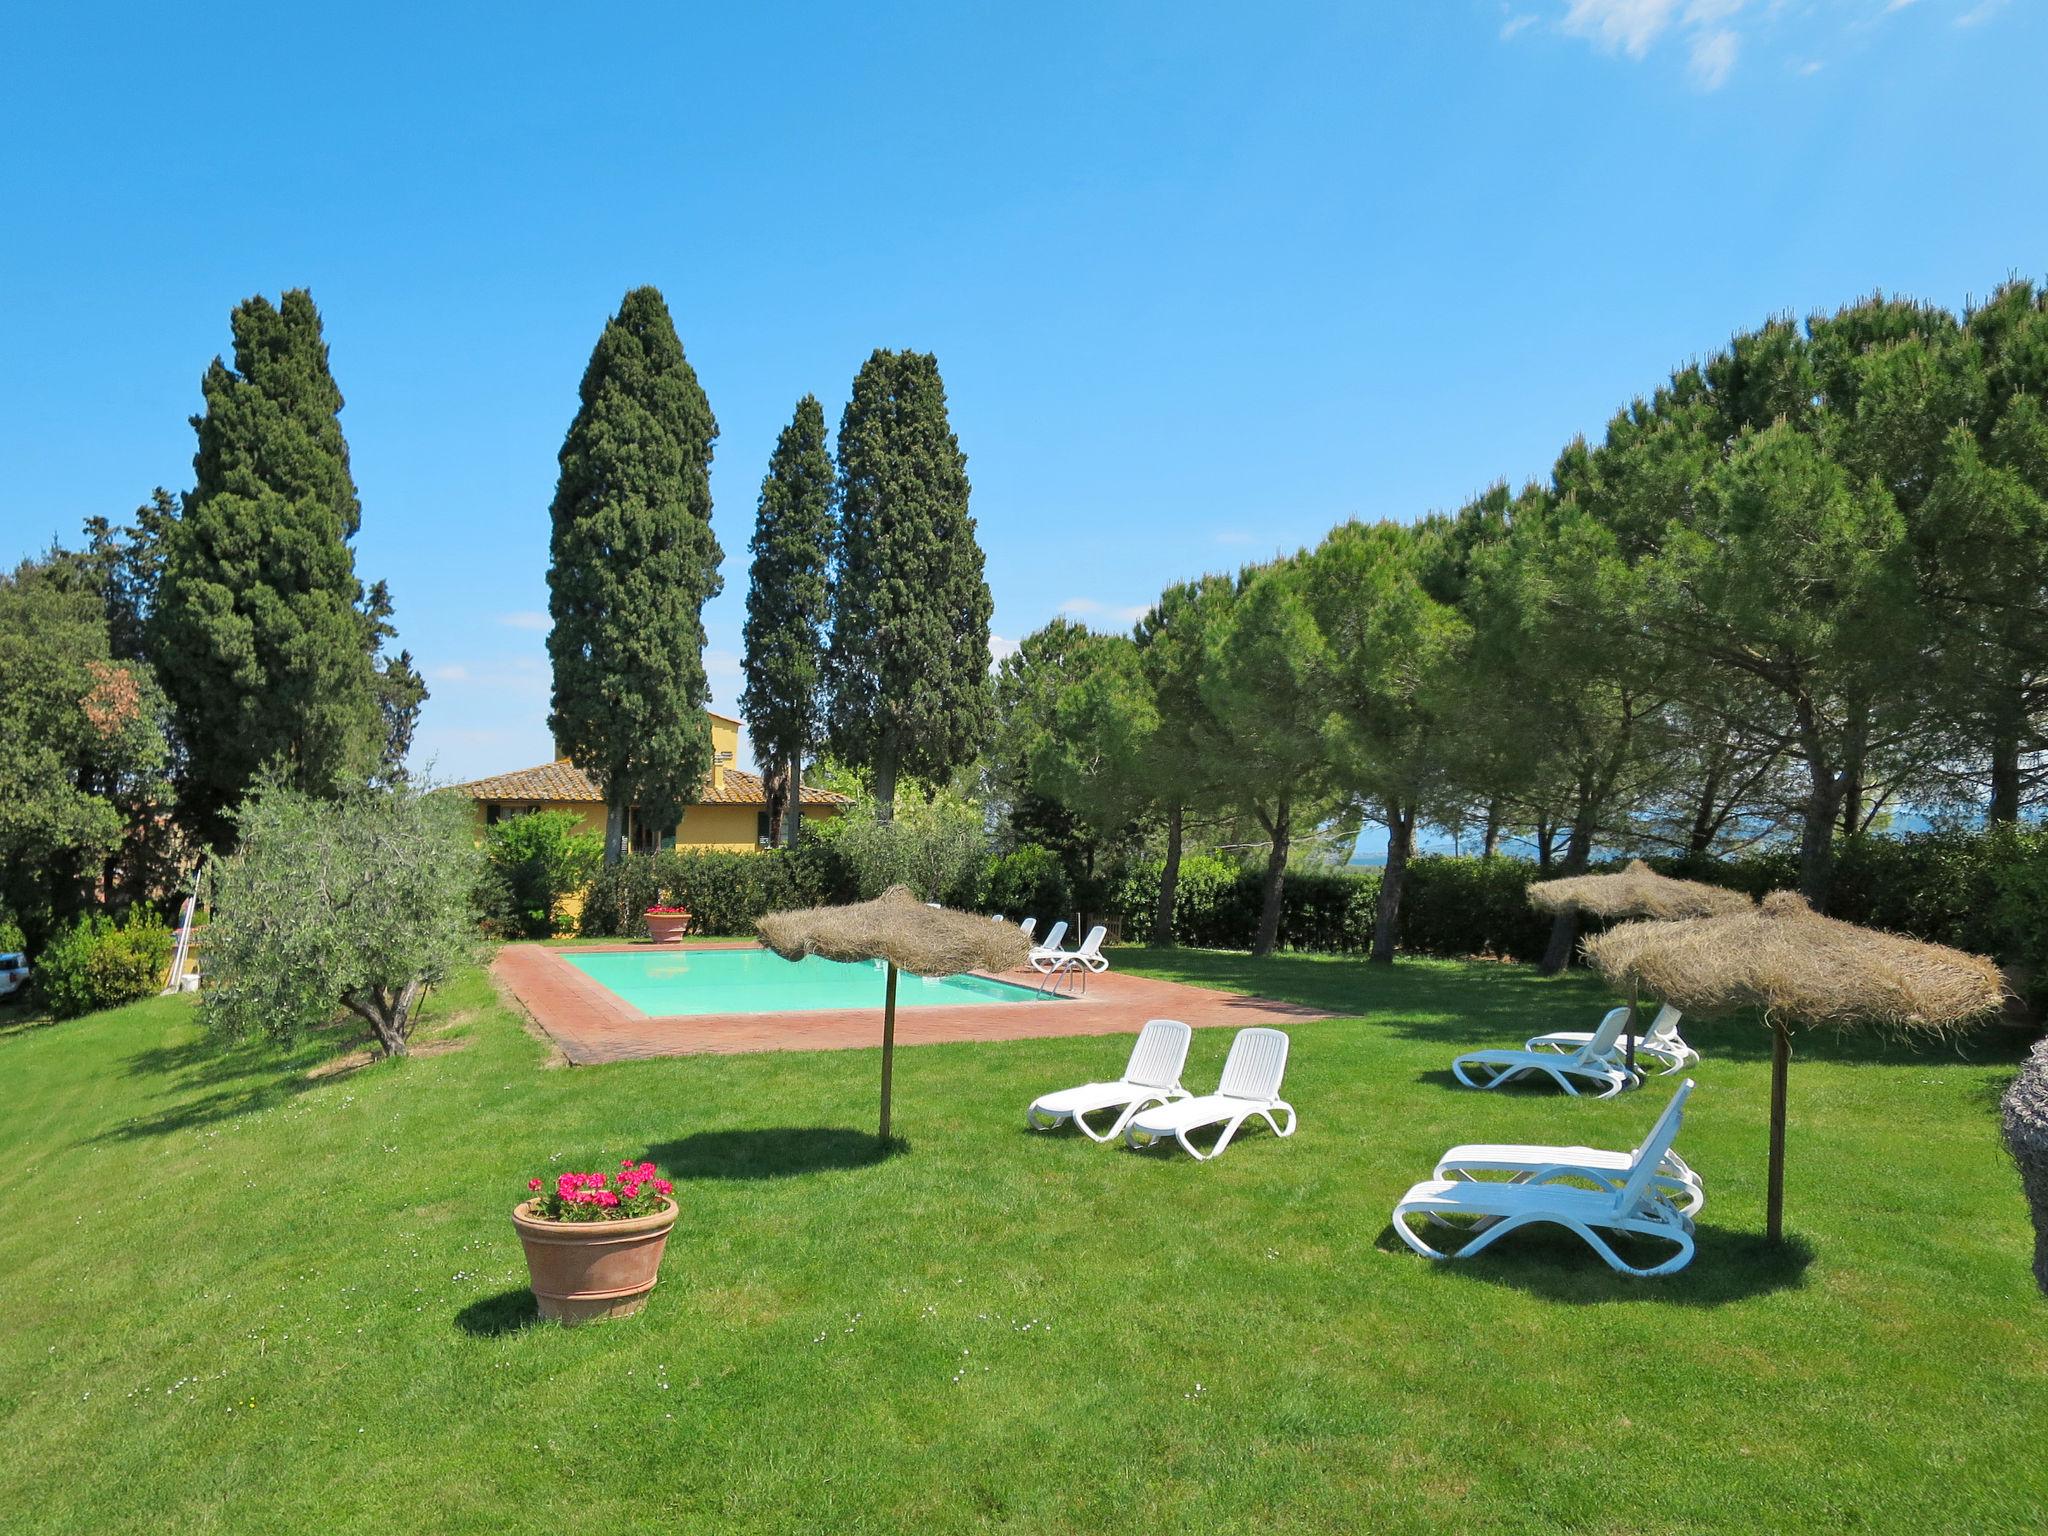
(237, 1298)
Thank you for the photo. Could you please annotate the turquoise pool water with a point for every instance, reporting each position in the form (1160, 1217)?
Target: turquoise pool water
(664, 983)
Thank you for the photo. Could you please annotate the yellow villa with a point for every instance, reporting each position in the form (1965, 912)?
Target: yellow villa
(731, 813)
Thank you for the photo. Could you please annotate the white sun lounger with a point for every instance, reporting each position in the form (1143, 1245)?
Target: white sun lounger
(1250, 1086)
(1634, 1207)
(1042, 953)
(1027, 925)
(1527, 1164)
(1592, 1066)
(1152, 1077)
(1660, 1040)
(1077, 964)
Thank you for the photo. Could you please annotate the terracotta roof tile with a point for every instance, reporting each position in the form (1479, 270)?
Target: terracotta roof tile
(563, 780)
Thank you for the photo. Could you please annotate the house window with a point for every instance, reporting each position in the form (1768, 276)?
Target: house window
(491, 813)
(646, 839)
(764, 833)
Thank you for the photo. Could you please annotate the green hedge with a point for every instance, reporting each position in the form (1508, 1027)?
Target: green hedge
(1981, 891)
(1450, 906)
(724, 891)
(99, 964)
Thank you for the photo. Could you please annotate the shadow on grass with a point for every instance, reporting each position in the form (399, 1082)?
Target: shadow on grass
(1466, 1007)
(495, 1316)
(1551, 1263)
(778, 1153)
(208, 1080)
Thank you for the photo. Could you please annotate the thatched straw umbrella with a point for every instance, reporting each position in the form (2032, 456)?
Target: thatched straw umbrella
(1637, 891)
(898, 928)
(1794, 966)
(2026, 1137)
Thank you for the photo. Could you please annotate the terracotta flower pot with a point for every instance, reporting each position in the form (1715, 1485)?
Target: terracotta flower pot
(586, 1270)
(667, 927)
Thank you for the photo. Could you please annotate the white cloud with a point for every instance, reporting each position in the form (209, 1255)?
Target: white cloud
(526, 620)
(1980, 13)
(1713, 56)
(1899, 5)
(1091, 608)
(1629, 26)
(1811, 67)
(724, 664)
(454, 672)
(1514, 26)
(1634, 27)
(999, 648)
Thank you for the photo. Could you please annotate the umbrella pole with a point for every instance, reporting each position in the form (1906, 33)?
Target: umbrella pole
(1781, 1058)
(888, 1045)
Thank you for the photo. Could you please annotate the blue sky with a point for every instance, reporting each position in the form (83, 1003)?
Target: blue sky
(1203, 281)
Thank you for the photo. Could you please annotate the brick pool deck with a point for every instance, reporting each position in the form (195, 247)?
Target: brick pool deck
(593, 1025)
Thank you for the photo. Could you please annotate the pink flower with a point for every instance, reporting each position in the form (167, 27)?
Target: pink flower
(533, 1183)
(607, 1199)
(626, 1162)
(663, 1187)
(646, 1170)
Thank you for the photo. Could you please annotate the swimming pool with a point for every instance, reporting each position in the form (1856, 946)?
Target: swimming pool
(668, 983)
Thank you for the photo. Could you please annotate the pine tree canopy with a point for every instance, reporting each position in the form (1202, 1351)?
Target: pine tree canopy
(909, 656)
(633, 563)
(788, 597)
(257, 629)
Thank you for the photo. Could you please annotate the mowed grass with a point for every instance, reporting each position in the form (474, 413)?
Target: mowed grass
(236, 1297)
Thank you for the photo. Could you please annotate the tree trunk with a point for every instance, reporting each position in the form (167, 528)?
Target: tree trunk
(390, 1019)
(1274, 885)
(1564, 928)
(1823, 805)
(1781, 1058)
(1386, 923)
(1491, 846)
(614, 833)
(885, 780)
(2005, 763)
(1544, 829)
(888, 1046)
(1705, 819)
(795, 829)
(1169, 881)
(1851, 808)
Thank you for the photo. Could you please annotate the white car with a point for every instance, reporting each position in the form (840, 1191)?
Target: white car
(13, 973)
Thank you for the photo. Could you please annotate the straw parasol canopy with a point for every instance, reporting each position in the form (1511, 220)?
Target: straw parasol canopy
(1638, 891)
(901, 930)
(1787, 962)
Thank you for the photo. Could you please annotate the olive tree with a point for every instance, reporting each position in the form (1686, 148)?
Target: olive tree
(354, 905)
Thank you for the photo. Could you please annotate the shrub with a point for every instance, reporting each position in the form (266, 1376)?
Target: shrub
(936, 845)
(97, 964)
(1029, 882)
(532, 863)
(11, 940)
(356, 904)
(1463, 906)
(724, 890)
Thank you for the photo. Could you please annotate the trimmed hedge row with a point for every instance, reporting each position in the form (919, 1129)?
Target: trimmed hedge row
(1450, 906)
(1982, 891)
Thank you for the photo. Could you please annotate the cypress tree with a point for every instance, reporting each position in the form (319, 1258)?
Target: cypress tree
(633, 563)
(257, 629)
(788, 606)
(908, 660)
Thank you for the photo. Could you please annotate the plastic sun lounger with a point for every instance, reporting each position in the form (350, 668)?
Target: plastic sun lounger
(1250, 1086)
(1634, 1207)
(1526, 1164)
(1042, 955)
(1592, 1064)
(1080, 963)
(1152, 1077)
(1660, 1040)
